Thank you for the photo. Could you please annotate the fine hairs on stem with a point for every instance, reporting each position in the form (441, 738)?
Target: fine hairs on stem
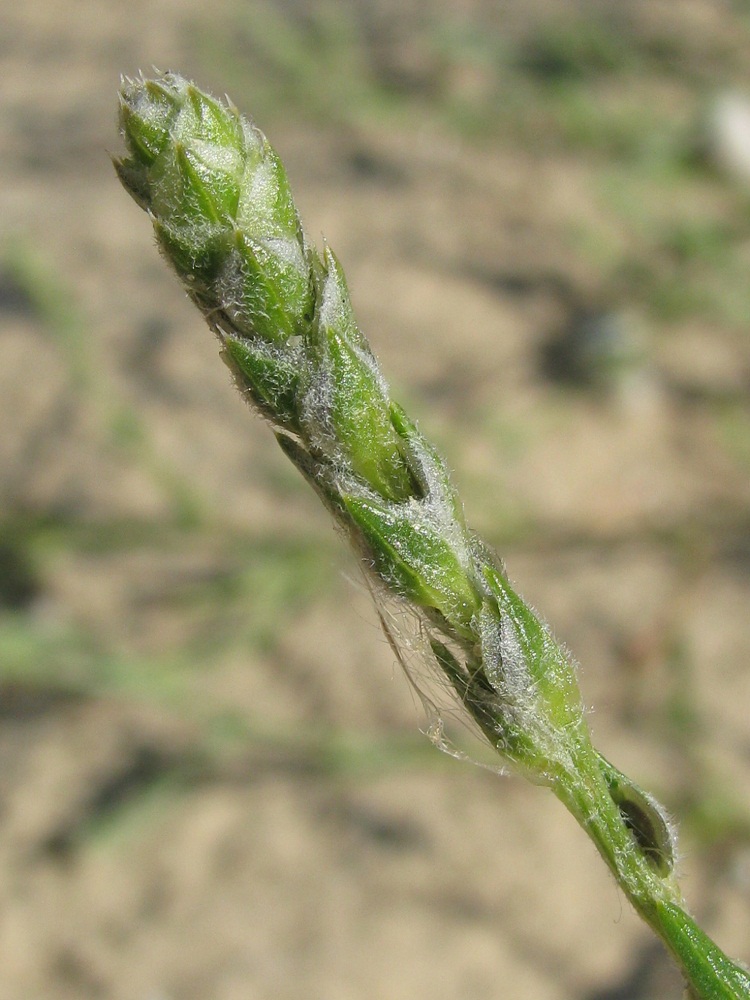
(224, 218)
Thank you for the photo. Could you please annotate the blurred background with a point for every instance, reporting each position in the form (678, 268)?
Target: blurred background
(212, 782)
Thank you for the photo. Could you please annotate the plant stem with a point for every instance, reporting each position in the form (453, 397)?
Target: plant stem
(586, 794)
(709, 973)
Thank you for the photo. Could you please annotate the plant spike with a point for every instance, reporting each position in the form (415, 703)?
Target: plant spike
(224, 218)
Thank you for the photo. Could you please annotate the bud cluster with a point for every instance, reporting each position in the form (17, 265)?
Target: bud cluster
(224, 217)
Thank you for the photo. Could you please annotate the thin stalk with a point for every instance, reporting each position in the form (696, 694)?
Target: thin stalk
(709, 973)
(585, 793)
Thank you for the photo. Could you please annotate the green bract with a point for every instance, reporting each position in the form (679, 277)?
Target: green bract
(345, 405)
(224, 218)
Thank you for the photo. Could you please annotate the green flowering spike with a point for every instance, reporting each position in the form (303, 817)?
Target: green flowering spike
(346, 409)
(417, 558)
(222, 209)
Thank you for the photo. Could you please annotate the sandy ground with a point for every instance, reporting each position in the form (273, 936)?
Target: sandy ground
(321, 850)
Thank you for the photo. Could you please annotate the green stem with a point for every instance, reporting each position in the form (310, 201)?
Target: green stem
(586, 794)
(708, 972)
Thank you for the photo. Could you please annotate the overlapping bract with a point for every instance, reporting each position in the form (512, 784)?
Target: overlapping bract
(224, 218)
